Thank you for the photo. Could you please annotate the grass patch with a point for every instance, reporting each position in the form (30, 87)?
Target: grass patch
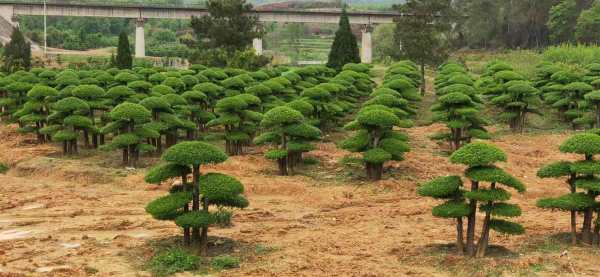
(173, 261)
(523, 61)
(260, 249)
(3, 168)
(310, 161)
(224, 262)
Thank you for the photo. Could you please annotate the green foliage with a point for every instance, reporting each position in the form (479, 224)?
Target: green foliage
(588, 22)
(478, 154)
(587, 143)
(174, 260)
(224, 262)
(17, 53)
(3, 168)
(194, 153)
(344, 49)
(124, 58)
(443, 187)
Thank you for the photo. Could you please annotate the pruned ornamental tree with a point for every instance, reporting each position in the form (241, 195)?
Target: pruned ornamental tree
(285, 128)
(376, 138)
(584, 185)
(131, 133)
(205, 190)
(594, 99)
(458, 106)
(36, 110)
(480, 159)
(510, 92)
(449, 189)
(239, 119)
(68, 120)
(93, 95)
(462, 202)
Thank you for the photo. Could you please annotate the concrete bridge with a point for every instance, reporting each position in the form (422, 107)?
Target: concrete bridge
(10, 9)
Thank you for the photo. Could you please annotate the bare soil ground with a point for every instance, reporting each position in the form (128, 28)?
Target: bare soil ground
(85, 216)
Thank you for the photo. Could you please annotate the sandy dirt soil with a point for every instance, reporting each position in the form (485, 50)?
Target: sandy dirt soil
(85, 216)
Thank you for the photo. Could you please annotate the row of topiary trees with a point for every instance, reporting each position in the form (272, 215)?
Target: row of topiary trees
(462, 202)
(146, 110)
(389, 106)
(572, 91)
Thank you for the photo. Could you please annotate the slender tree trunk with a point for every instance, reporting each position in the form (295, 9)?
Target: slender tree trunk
(586, 232)
(471, 221)
(186, 209)
(485, 232)
(196, 198)
(573, 189)
(460, 246)
(423, 85)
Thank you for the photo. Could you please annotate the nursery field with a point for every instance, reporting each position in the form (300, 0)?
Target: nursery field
(303, 171)
(323, 222)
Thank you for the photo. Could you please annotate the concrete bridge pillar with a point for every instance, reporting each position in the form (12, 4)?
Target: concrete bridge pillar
(257, 43)
(140, 41)
(366, 54)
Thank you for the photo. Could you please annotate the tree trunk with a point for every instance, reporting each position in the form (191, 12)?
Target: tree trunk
(574, 227)
(186, 209)
(460, 246)
(573, 189)
(471, 221)
(196, 199)
(485, 231)
(423, 85)
(586, 232)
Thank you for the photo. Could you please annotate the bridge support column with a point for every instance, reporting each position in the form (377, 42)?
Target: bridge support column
(140, 41)
(366, 52)
(257, 43)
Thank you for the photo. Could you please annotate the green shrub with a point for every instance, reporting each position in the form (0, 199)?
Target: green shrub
(224, 262)
(174, 260)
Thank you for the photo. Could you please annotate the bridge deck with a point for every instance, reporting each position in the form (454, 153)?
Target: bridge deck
(139, 10)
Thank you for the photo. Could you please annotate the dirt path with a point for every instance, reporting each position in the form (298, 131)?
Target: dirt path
(82, 217)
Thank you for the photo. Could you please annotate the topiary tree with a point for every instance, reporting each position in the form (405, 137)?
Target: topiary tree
(594, 99)
(131, 134)
(581, 175)
(515, 97)
(376, 138)
(93, 95)
(286, 129)
(36, 110)
(210, 189)
(458, 106)
(67, 120)
(449, 188)
(480, 159)
(237, 115)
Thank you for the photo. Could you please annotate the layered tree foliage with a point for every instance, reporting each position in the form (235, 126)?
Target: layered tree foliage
(459, 106)
(131, 133)
(389, 106)
(17, 53)
(461, 202)
(583, 184)
(344, 49)
(288, 132)
(511, 93)
(421, 36)
(205, 190)
(571, 92)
